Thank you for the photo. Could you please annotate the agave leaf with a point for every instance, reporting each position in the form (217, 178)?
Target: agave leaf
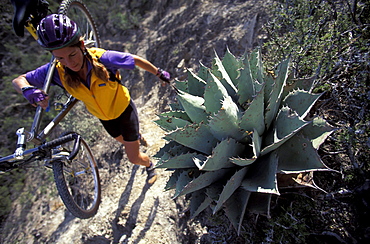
(178, 150)
(318, 131)
(165, 149)
(257, 69)
(195, 136)
(256, 143)
(171, 183)
(203, 181)
(220, 72)
(261, 176)
(305, 84)
(256, 148)
(176, 114)
(213, 191)
(195, 84)
(230, 188)
(182, 85)
(298, 155)
(253, 117)
(247, 85)
(224, 124)
(235, 207)
(286, 125)
(171, 152)
(163, 159)
(220, 156)
(276, 144)
(171, 123)
(193, 106)
(214, 95)
(287, 121)
(199, 202)
(301, 101)
(259, 203)
(176, 107)
(269, 86)
(184, 178)
(231, 65)
(204, 73)
(276, 94)
(243, 161)
(182, 161)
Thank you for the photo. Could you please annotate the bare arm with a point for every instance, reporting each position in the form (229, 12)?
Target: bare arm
(20, 82)
(148, 66)
(145, 64)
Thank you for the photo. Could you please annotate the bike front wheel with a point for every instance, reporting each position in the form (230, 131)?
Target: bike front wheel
(77, 11)
(77, 180)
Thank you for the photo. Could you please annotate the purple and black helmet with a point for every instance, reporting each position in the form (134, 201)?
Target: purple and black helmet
(57, 31)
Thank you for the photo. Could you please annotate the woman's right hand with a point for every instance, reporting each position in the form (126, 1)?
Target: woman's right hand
(36, 97)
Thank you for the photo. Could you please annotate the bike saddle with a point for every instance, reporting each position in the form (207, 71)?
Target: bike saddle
(23, 9)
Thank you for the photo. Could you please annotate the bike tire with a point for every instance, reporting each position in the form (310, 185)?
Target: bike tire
(77, 11)
(77, 181)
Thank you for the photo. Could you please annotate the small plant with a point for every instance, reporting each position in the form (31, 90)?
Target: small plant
(234, 129)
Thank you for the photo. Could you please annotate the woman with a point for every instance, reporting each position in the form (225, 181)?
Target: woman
(91, 76)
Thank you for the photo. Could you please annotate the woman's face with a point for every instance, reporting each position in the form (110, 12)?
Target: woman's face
(71, 57)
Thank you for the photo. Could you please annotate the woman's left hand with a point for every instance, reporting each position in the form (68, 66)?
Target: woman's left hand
(163, 75)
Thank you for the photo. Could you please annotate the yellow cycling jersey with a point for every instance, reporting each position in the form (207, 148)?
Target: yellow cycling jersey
(105, 100)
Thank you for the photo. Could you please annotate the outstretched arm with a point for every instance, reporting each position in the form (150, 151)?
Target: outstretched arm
(145, 64)
(148, 66)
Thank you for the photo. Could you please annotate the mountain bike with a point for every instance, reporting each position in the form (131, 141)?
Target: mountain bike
(69, 156)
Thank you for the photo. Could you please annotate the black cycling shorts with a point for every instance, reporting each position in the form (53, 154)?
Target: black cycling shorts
(127, 124)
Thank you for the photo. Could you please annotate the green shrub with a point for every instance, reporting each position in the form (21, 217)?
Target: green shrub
(235, 129)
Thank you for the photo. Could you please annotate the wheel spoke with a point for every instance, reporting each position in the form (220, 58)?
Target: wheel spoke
(79, 183)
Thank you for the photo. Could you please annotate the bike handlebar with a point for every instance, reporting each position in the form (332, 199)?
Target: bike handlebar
(49, 145)
(59, 141)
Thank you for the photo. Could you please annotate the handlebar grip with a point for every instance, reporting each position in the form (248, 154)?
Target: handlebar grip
(59, 141)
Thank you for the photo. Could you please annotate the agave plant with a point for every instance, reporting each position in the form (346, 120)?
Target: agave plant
(234, 129)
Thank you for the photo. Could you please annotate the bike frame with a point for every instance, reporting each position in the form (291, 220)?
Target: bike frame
(40, 139)
(33, 135)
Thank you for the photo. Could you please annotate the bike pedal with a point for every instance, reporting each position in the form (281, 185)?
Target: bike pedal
(58, 106)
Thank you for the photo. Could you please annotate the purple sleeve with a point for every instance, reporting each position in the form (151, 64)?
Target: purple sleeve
(37, 77)
(114, 60)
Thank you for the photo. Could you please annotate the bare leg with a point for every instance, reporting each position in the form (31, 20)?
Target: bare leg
(134, 155)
